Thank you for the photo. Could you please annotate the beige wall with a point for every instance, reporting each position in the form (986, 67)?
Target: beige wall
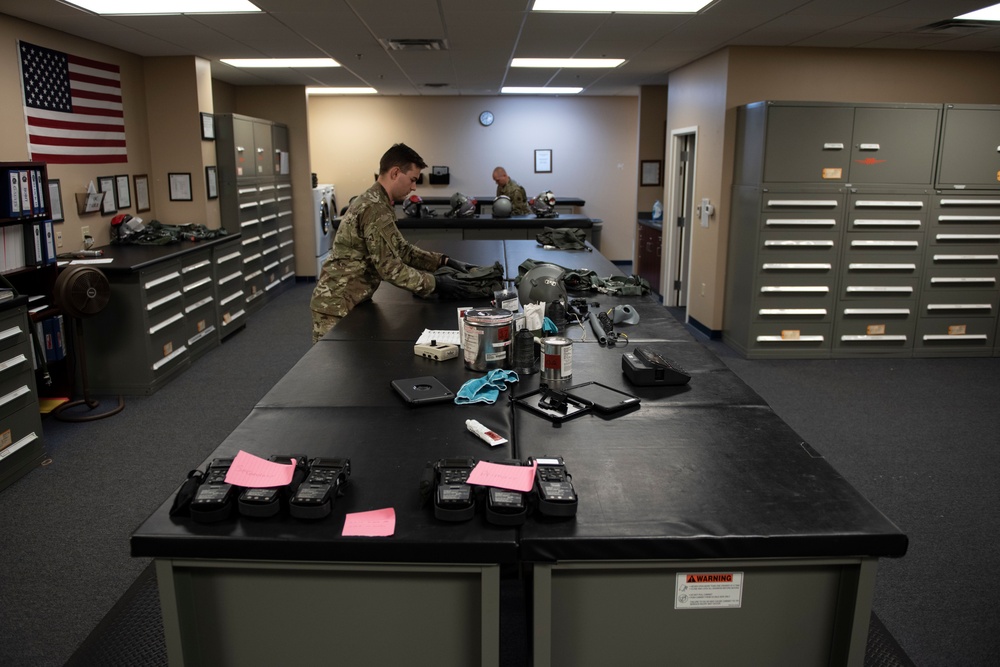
(652, 124)
(593, 142)
(73, 178)
(697, 100)
(707, 93)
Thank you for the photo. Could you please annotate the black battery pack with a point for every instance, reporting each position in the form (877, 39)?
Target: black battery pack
(645, 367)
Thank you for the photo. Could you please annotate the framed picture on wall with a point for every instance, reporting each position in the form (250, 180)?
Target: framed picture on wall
(543, 161)
(212, 182)
(180, 186)
(141, 192)
(651, 172)
(55, 200)
(207, 126)
(123, 191)
(106, 184)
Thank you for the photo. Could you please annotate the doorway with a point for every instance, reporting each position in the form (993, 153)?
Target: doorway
(677, 220)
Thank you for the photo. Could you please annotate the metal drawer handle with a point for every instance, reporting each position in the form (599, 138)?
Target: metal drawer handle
(885, 203)
(833, 146)
(947, 281)
(233, 317)
(865, 337)
(793, 288)
(9, 333)
(858, 289)
(968, 237)
(230, 256)
(866, 266)
(14, 395)
(771, 266)
(28, 439)
(876, 311)
(813, 222)
(970, 202)
(197, 284)
(195, 306)
(868, 147)
(959, 306)
(167, 299)
(955, 336)
(226, 279)
(779, 339)
(12, 362)
(165, 323)
(967, 258)
(777, 203)
(170, 357)
(194, 267)
(867, 222)
(792, 311)
(797, 244)
(250, 258)
(165, 279)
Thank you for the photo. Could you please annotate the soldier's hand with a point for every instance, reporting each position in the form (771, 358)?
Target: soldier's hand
(446, 287)
(458, 265)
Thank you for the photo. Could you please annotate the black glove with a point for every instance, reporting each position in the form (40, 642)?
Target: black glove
(447, 287)
(457, 265)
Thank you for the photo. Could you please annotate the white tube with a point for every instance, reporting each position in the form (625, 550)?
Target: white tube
(484, 434)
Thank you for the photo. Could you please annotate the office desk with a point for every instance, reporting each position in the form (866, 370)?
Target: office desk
(701, 479)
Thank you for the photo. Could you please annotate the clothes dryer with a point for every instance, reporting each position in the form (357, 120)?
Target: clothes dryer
(324, 210)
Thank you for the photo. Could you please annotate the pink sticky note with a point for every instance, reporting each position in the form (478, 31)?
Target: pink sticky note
(375, 523)
(254, 472)
(515, 478)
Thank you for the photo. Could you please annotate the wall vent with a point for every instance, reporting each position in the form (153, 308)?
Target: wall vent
(959, 27)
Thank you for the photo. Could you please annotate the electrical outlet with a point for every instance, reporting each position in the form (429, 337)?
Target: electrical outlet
(84, 232)
(58, 239)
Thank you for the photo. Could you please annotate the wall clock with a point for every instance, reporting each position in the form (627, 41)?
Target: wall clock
(486, 118)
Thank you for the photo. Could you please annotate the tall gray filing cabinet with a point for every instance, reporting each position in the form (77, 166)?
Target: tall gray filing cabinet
(830, 209)
(256, 202)
(959, 294)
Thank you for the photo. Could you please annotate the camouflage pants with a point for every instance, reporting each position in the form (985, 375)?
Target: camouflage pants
(322, 323)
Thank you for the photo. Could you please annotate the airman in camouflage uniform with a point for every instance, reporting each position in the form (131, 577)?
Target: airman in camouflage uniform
(369, 248)
(507, 186)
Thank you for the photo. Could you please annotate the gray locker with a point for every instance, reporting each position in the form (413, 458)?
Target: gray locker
(894, 145)
(808, 144)
(969, 158)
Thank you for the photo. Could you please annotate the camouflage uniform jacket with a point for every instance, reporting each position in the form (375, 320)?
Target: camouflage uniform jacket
(368, 249)
(518, 198)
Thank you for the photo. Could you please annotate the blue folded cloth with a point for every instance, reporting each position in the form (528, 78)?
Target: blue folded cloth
(485, 389)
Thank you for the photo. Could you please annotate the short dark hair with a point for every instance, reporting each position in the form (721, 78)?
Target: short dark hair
(402, 156)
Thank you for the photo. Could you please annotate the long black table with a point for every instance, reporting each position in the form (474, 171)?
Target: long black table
(703, 480)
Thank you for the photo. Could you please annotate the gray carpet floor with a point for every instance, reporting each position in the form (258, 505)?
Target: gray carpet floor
(918, 437)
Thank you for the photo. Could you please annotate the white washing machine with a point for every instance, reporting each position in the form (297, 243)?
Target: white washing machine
(325, 210)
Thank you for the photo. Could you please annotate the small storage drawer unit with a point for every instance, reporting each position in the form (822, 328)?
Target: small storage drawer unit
(20, 423)
(200, 305)
(960, 293)
(227, 261)
(789, 245)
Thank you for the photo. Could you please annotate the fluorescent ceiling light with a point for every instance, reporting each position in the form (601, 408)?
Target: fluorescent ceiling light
(984, 14)
(340, 91)
(133, 7)
(281, 62)
(532, 90)
(622, 6)
(566, 62)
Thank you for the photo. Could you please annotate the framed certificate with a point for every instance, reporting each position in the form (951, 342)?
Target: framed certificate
(212, 181)
(106, 184)
(180, 186)
(141, 192)
(123, 191)
(651, 172)
(543, 161)
(207, 126)
(55, 200)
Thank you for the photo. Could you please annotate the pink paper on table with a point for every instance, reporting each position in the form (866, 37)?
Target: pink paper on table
(257, 473)
(375, 523)
(515, 478)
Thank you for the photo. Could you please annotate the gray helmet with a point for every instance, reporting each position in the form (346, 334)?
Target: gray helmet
(544, 205)
(502, 208)
(542, 284)
(462, 206)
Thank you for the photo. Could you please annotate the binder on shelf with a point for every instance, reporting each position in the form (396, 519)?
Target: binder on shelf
(12, 198)
(25, 184)
(48, 243)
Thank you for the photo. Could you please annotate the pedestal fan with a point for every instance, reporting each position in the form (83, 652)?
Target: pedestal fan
(82, 291)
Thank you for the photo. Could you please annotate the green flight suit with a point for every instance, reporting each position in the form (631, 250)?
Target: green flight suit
(517, 195)
(368, 249)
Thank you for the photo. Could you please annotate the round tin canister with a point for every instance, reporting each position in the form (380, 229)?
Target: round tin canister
(486, 338)
(557, 358)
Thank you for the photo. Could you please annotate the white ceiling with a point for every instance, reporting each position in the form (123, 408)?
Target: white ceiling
(481, 36)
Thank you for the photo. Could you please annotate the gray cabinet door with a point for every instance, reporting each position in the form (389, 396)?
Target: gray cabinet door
(808, 144)
(970, 148)
(894, 146)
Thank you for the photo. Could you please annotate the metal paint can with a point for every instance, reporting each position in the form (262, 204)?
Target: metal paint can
(487, 335)
(557, 358)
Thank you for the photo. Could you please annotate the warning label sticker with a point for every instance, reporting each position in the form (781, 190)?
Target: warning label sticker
(708, 590)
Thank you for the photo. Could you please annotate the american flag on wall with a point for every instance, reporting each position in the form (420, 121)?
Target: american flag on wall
(73, 108)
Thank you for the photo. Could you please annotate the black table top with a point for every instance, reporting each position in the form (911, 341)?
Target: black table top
(129, 258)
(705, 470)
